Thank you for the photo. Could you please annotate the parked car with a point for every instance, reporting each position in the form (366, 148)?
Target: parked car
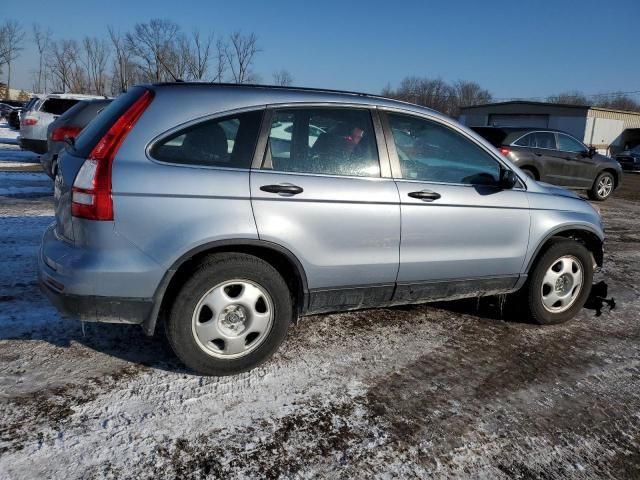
(630, 159)
(158, 217)
(5, 110)
(556, 157)
(69, 125)
(36, 119)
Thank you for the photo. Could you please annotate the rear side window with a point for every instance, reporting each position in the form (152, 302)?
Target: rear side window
(538, 140)
(329, 141)
(57, 106)
(223, 142)
(91, 135)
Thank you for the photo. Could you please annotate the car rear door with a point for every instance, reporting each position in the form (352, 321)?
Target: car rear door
(322, 189)
(461, 233)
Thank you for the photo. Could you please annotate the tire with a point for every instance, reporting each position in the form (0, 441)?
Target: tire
(529, 173)
(547, 277)
(230, 316)
(603, 187)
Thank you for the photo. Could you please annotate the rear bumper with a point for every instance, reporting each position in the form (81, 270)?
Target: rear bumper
(84, 284)
(36, 146)
(96, 309)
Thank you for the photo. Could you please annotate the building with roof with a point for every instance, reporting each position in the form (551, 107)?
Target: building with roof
(606, 129)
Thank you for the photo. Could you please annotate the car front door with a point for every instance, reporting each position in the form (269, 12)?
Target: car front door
(323, 190)
(461, 233)
(579, 166)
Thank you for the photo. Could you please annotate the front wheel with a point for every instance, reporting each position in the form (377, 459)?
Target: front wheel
(230, 316)
(560, 282)
(603, 187)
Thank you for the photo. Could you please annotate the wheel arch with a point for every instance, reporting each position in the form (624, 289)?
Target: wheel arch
(278, 256)
(580, 233)
(532, 168)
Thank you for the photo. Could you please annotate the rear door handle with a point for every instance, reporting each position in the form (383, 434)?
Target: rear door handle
(427, 195)
(282, 188)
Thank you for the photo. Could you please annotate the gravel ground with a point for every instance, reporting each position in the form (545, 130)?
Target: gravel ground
(453, 390)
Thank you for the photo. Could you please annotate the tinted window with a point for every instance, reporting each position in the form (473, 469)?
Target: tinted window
(494, 136)
(568, 144)
(538, 140)
(57, 106)
(332, 141)
(223, 142)
(432, 152)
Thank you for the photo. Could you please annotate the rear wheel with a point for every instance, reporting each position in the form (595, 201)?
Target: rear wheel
(230, 316)
(560, 282)
(603, 187)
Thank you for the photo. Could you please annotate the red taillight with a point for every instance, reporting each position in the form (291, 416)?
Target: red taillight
(29, 121)
(505, 151)
(60, 133)
(91, 191)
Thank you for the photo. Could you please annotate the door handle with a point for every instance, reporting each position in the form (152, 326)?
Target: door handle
(282, 188)
(427, 195)
(538, 154)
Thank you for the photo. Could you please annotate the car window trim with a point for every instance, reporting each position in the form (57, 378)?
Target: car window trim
(205, 118)
(261, 147)
(395, 160)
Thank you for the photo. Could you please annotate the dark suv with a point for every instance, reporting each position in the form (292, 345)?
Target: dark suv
(556, 157)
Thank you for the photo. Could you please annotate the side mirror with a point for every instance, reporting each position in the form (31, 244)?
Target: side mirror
(508, 179)
(591, 152)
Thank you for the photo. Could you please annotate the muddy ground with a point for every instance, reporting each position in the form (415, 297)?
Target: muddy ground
(452, 390)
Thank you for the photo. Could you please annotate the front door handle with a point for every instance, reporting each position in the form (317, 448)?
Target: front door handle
(282, 188)
(427, 195)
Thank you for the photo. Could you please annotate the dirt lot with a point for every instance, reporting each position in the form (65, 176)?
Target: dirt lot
(450, 390)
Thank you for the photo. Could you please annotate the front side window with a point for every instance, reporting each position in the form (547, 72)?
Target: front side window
(223, 142)
(568, 144)
(329, 141)
(431, 152)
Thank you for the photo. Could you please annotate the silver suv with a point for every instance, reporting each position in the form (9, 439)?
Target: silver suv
(229, 211)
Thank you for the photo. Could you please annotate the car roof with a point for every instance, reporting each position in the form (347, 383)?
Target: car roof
(508, 135)
(282, 94)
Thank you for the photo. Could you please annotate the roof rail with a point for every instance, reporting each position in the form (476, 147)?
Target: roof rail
(276, 87)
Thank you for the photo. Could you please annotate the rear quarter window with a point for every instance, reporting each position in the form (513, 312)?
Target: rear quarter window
(222, 142)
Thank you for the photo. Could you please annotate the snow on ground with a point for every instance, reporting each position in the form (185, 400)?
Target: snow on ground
(10, 153)
(448, 391)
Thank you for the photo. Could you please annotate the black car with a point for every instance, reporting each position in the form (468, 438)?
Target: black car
(630, 159)
(556, 157)
(69, 124)
(13, 118)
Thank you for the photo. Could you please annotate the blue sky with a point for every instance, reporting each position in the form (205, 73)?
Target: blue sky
(513, 48)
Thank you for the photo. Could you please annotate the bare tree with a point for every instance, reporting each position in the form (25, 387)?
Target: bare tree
(282, 78)
(123, 68)
(197, 51)
(618, 102)
(221, 61)
(439, 95)
(240, 53)
(153, 44)
(569, 98)
(12, 38)
(63, 63)
(96, 55)
(41, 38)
